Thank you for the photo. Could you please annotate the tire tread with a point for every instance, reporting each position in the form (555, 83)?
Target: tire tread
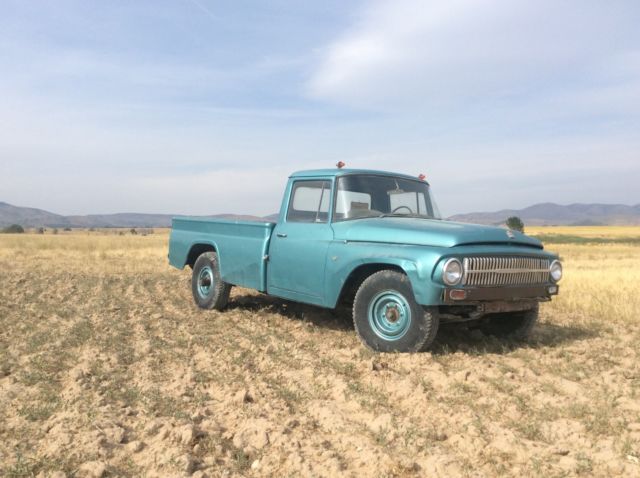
(222, 290)
(428, 326)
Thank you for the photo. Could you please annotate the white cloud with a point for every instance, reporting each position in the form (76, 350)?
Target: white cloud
(416, 54)
(500, 103)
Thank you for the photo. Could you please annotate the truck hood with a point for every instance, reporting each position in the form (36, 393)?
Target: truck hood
(426, 232)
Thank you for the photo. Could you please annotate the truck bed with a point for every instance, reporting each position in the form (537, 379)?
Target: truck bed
(243, 245)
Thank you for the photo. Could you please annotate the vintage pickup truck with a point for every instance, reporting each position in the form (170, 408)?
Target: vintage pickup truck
(375, 241)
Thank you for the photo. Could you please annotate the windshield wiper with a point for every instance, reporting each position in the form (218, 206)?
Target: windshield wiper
(397, 214)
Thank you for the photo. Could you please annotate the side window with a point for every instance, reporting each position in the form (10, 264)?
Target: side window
(309, 201)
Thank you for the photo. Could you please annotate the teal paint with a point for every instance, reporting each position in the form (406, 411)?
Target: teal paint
(311, 262)
(205, 282)
(389, 315)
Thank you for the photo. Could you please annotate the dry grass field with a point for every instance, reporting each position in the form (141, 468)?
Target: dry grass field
(108, 369)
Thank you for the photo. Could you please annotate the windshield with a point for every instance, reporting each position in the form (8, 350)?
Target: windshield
(360, 196)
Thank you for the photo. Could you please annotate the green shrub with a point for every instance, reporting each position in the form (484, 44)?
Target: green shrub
(13, 229)
(515, 223)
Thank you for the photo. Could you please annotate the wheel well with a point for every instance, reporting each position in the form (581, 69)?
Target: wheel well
(358, 276)
(195, 252)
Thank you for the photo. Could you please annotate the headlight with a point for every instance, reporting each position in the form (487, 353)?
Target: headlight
(555, 271)
(452, 272)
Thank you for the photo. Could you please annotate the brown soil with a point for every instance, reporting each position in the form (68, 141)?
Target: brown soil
(108, 369)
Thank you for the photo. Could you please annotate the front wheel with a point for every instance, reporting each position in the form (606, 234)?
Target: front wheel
(387, 317)
(209, 291)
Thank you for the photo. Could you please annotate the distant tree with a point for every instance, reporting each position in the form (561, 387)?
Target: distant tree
(515, 223)
(133, 231)
(92, 229)
(55, 230)
(13, 229)
(40, 230)
(67, 229)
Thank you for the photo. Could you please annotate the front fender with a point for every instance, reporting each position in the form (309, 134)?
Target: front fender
(417, 262)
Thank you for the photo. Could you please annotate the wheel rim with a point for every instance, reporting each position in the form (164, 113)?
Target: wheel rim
(389, 315)
(205, 281)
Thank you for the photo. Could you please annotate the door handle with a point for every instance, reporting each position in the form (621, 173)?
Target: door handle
(281, 234)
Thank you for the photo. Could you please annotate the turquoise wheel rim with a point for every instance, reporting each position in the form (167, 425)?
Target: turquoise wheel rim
(389, 315)
(205, 281)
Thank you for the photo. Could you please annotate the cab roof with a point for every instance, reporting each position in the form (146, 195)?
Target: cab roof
(336, 172)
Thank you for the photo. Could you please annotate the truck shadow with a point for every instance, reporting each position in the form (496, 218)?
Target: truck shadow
(451, 338)
(454, 338)
(338, 319)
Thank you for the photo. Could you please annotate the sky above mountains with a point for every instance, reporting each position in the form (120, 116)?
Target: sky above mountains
(203, 107)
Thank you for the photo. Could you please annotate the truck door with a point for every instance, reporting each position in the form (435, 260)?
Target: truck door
(299, 243)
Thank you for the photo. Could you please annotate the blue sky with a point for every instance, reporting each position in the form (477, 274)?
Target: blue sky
(196, 106)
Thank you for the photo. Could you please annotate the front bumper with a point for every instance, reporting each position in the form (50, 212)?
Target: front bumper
(462, 296)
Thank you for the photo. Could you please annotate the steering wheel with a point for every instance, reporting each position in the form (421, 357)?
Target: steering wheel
(401, 207)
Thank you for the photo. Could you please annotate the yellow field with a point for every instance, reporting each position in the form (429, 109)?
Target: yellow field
(107, 368)
(587, 231)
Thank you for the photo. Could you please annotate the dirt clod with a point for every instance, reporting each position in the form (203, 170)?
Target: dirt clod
(253, 436)
(378, 365)
(92, 469)
(186, 435)
(186, 463)
(135, 446)
(243, 396)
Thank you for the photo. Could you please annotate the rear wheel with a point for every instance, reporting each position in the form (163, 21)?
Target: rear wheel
(209, 291)
(388, 319)
(514, 325)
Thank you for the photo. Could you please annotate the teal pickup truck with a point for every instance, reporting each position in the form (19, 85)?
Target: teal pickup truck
(373, 240)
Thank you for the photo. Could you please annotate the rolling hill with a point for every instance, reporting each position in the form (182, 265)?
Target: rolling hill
(548, 214)
(536, 215)
(31, 217)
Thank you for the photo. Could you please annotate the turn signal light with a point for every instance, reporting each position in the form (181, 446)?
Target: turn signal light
(457, 294)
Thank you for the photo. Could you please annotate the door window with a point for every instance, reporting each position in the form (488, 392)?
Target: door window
(309, 201)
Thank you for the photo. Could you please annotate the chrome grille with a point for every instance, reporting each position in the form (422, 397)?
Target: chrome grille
(505, 271)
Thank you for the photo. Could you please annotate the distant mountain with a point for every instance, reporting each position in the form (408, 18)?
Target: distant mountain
(544, 214)
(272, 217)
(548, 214)
(31, 217)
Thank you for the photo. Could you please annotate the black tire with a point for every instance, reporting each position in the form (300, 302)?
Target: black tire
(512, 325)
(385, 301)
(209, 291)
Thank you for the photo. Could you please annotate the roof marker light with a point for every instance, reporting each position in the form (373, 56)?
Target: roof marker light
(340, 165)
(422, 177)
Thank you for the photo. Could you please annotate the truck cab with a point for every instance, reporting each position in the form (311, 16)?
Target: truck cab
(375, 240)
